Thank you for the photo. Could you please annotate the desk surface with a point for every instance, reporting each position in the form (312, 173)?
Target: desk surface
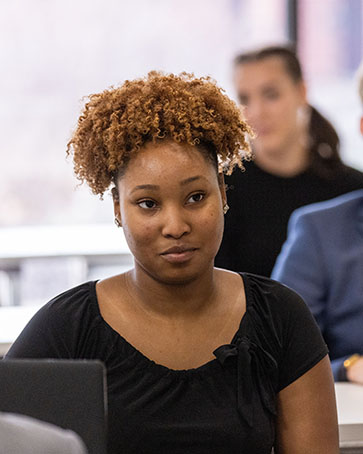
(350, 416)
(349, 403)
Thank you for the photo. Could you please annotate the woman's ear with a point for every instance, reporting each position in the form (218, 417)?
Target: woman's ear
(222, 188)
(303, 93)
(116, 207)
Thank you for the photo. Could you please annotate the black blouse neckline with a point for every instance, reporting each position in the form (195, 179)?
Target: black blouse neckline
(146, 362)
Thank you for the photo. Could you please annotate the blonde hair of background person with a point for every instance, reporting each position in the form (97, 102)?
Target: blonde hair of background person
(199, 359)
(296, 161)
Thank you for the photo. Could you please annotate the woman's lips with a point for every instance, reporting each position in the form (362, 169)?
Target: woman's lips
(178, 255)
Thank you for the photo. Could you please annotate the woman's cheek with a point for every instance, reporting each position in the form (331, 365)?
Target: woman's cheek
(213, 222)
(142, 234)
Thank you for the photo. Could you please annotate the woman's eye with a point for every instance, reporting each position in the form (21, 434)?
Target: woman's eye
(272, 95)
(147, 204)
(243, 100)
(198, 197)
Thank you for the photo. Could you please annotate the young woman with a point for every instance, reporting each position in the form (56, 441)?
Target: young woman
(199, 360)
(296, 160)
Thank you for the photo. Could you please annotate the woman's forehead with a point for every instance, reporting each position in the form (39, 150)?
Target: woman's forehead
(166, 154)
(270, 68)
(167, 160)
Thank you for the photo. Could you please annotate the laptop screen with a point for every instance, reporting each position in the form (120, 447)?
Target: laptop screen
(68, 393)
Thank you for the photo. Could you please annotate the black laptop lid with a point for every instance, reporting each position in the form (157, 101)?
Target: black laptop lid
(68, 393)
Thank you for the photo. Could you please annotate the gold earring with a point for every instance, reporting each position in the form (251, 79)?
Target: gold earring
(225, 208)
(117, 222)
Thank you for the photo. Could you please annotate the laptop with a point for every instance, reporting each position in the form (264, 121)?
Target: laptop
(68, 393)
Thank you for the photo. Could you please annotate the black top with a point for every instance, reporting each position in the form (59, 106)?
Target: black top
(260, 207)
(225, 406)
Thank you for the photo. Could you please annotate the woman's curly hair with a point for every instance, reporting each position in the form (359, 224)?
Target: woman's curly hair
(116, 123)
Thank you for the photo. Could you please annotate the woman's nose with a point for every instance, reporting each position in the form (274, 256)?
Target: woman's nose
(175, 222)
(255, 110)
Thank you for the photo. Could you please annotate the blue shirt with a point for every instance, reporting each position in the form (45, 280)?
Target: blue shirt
(322, 259)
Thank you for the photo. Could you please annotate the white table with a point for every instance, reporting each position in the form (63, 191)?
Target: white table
(350, 417)
(349, 403)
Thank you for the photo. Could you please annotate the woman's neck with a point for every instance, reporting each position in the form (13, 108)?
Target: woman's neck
(162, 300)
(286, 162)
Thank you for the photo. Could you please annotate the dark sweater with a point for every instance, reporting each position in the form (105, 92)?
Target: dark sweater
(260, 207)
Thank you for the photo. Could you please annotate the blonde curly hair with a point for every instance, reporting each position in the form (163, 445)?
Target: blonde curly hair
(118, 122)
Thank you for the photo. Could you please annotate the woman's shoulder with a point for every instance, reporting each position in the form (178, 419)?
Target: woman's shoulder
(267, 289)
(348, 179)
(272, 299)
(60, 327)
(81, 296)
(353, 173)
(282, 324)
(72, 308)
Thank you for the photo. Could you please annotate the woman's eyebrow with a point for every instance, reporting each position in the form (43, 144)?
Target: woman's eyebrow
(191, 179)
(153, 187)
